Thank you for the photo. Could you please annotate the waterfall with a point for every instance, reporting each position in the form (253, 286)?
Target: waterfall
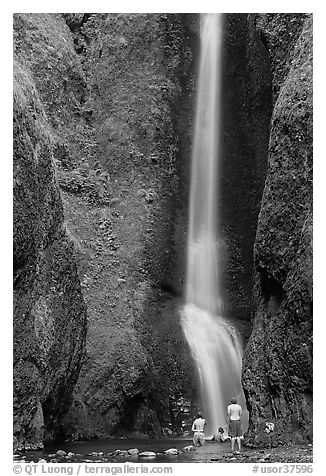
(214, 343)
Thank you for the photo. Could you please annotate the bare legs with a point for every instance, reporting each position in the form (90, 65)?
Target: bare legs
(232, 443)
(238, 441)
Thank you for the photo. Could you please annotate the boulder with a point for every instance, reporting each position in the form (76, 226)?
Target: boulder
(133, 451)
(61, 453)
(147, 454)
(189, 448)
(121, 453)
(171, 451)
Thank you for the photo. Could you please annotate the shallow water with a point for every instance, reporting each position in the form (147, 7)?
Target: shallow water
(83, 450)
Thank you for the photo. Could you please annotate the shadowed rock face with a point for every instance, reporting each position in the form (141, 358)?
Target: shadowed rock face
(246, 106)
(277, 373)
(49, 311)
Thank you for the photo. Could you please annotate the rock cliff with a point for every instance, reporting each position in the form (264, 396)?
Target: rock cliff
(139, 67)
(246, 106)
(277, 372)
(49, 311)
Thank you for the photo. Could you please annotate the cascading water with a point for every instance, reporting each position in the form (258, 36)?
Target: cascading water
(214, 343)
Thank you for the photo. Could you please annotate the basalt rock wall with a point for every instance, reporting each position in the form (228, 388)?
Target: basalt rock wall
(246, 106)
(49, 310)
(277, 374)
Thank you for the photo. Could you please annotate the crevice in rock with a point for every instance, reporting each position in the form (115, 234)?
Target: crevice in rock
(270, 287)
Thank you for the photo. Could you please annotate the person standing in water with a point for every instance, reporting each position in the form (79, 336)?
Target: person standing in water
(235, 428)
(198, 429)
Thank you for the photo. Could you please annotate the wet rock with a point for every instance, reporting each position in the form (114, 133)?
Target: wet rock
(168, 432)
(42, 460)
(61, 453)
(121, 453)
(189, 448)
(228, 455)
(70, 455)
(171, 451)
(133, 451)
(101, 453)
(147, 454)
(93, 453)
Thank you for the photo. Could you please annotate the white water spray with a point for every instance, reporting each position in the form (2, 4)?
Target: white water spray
(214, 343)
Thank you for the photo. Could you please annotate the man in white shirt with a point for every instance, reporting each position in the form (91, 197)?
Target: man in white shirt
(198, 429)
(235, 428)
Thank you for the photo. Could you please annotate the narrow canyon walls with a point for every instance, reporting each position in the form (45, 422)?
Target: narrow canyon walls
(103, 111)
